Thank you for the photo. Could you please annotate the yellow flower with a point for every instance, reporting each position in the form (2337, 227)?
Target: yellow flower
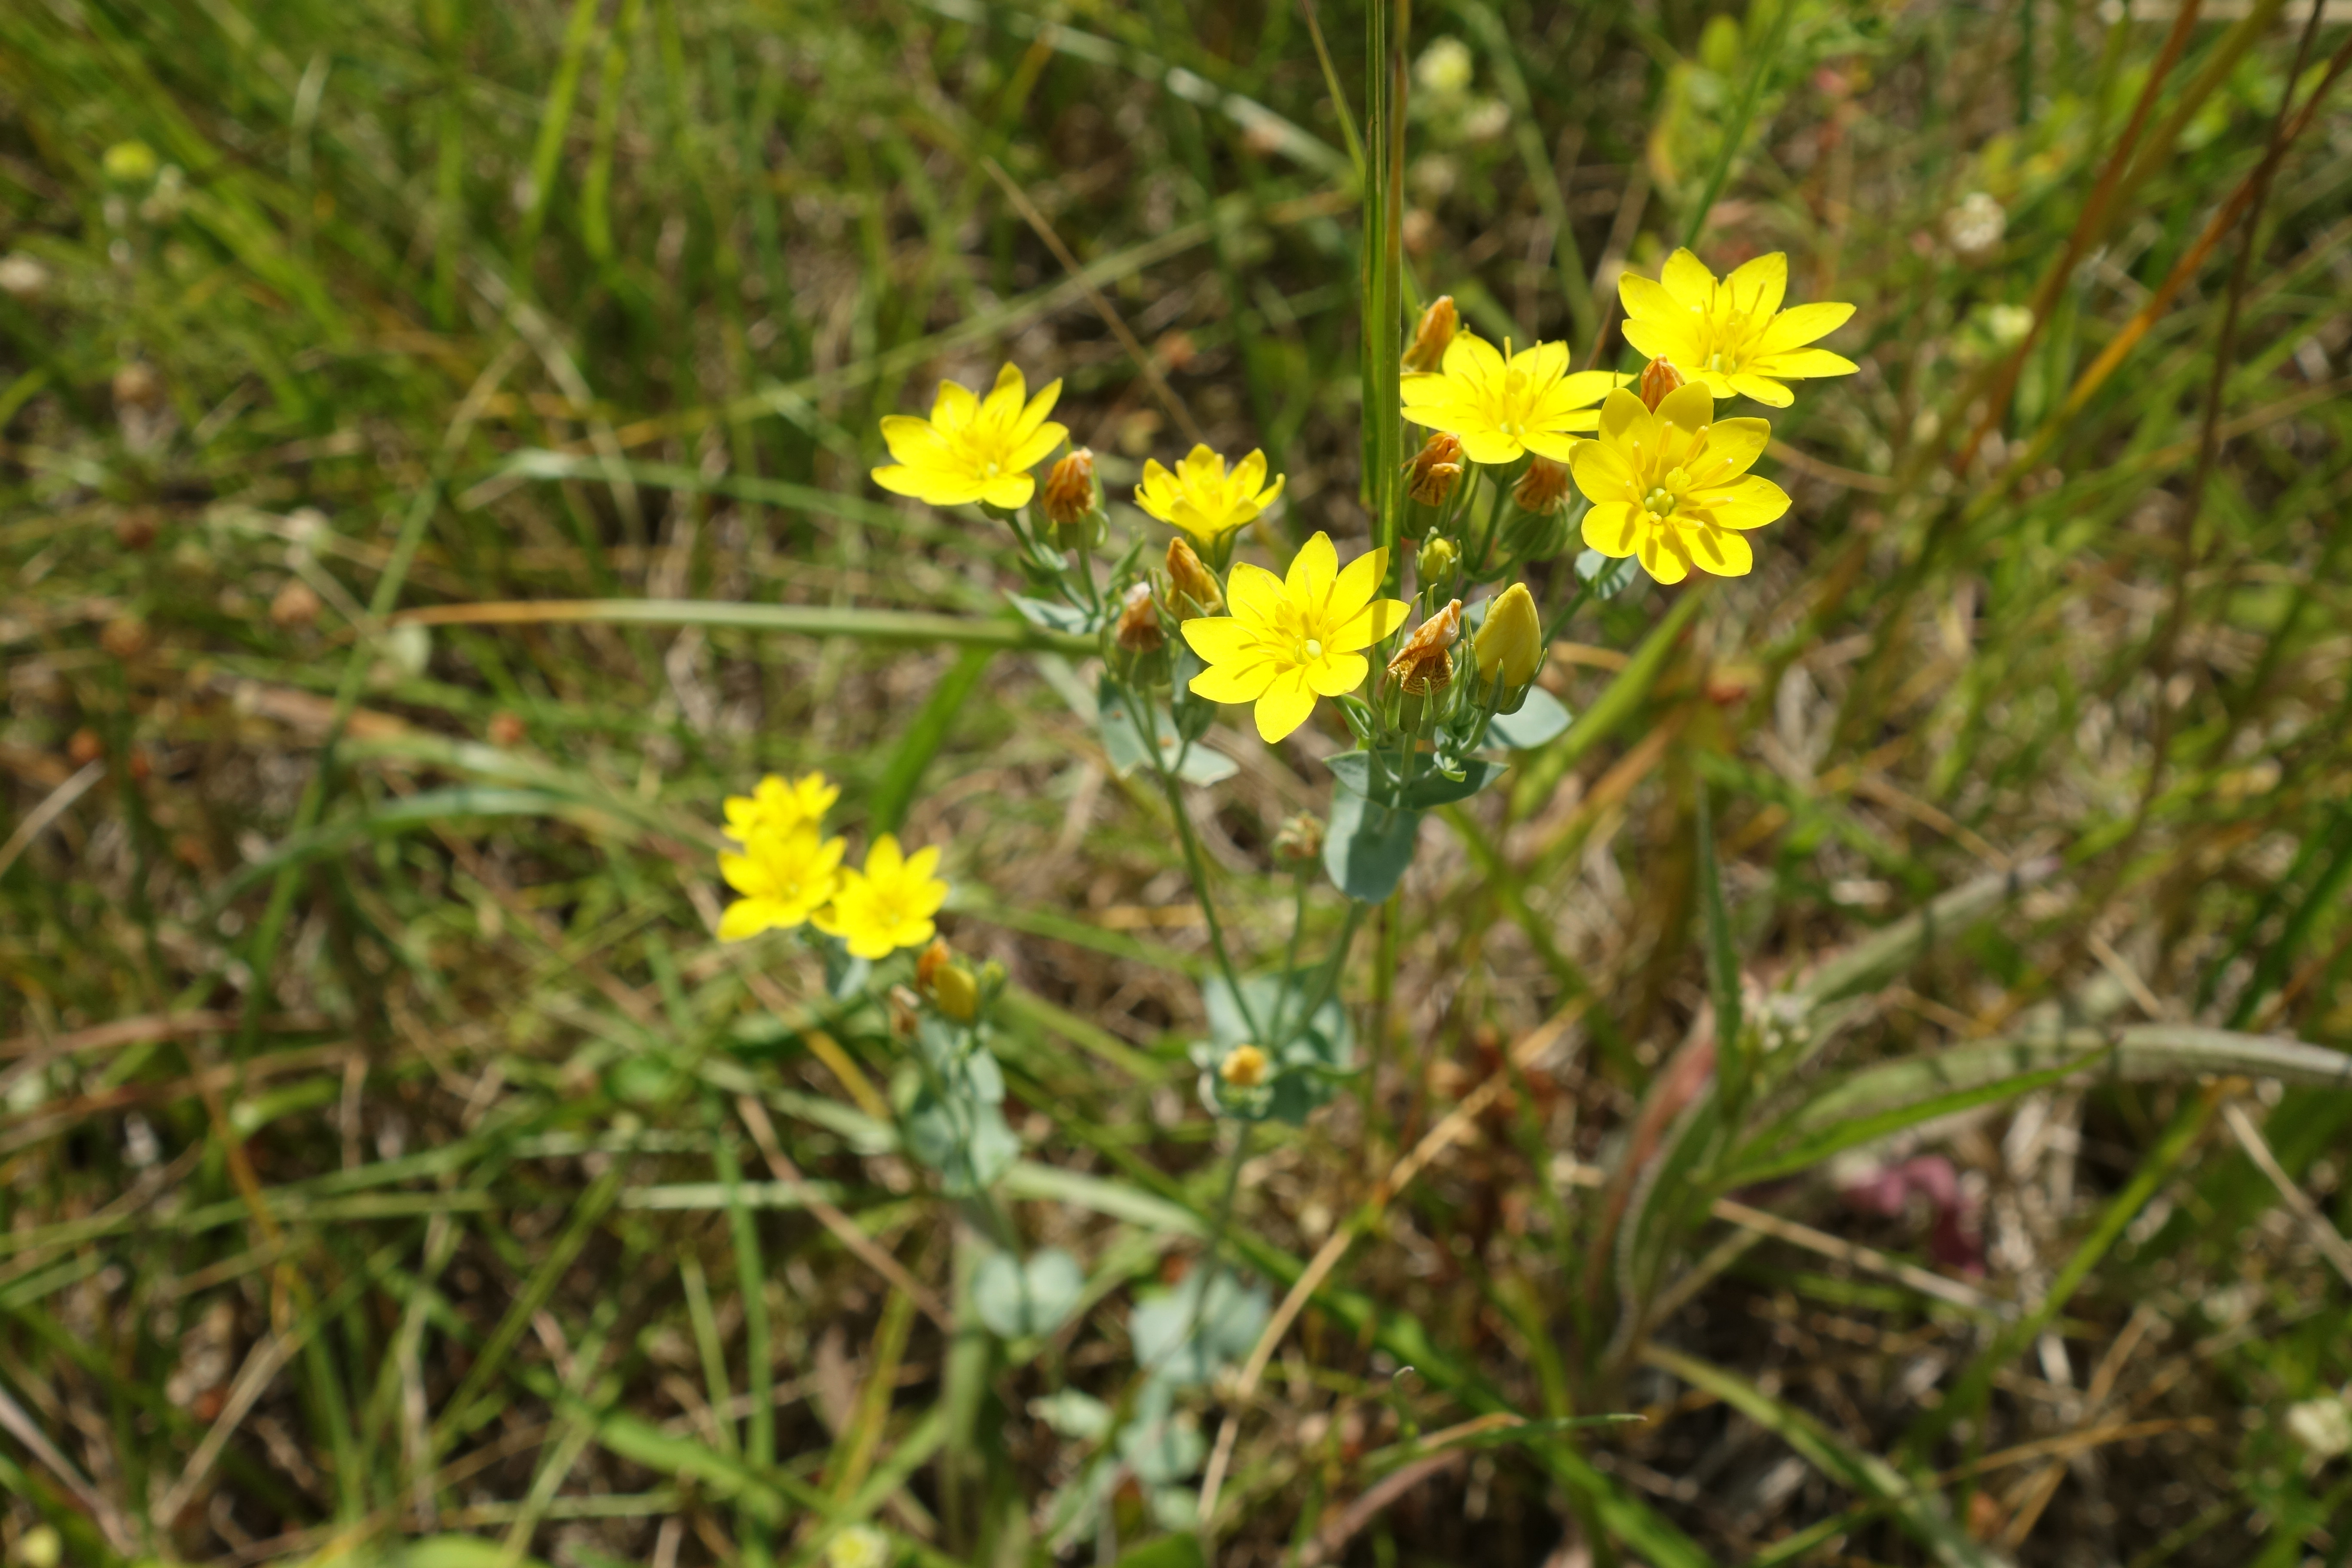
(1506, 405)
(1672, 486)
(890, 904)
(1290, 640)
(778, 806)
(785, 877)
(1727, 334)
(1203, 499)
(972, 448)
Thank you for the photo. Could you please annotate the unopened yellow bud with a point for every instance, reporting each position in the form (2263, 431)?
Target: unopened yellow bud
(1139, 622)
(1197, 593)
(1070, 488)
(1435, 335)
(1426, 663)
(1440, 559)
(1658, 378)
(1511, 643)
(1434, 470)
(1543, 489)
(1244, 1067)
(951, 986)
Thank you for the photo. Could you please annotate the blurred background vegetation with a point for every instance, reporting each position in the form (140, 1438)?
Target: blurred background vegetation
(395, 1168)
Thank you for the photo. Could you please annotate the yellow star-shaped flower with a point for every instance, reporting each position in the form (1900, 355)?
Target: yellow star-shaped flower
(1504, 405)
(890, 904)
(1204, 500)
(973, 448)
(1291, 639)
(777, 806)
(1672, 486)
(1731, 333)
(785, 879)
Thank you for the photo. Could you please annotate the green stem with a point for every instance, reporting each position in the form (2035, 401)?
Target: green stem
(1211, 1265)
(1147, 725)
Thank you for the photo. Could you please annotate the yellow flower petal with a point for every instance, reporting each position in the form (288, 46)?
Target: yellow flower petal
(1689, 282)
(1758, 287)
(1336, 674)
(1368, 626)
(1803, 362)
(1751, 503)
(1646, 301)
(1688, 407)
(1358, 579)
(1801, 325)
(1719, 550)
(1662, 556)
(1608, 528)
(1285, 706)
(1770, 393)
(1233, 681)
(1312, 572)
(1254, 593)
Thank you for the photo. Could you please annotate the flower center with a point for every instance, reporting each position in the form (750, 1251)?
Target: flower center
(1313, 649)
(1660, 502)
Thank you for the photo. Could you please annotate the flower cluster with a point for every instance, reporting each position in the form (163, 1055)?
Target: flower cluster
(790, 874)
(1516, 433)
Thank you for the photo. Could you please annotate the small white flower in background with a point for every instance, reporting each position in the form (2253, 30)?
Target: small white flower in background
(22, 276)
(1485, 120)
(2323, 1426)
(859, 1546)
(1975, 226)
(2009, 323)
(1444, 67)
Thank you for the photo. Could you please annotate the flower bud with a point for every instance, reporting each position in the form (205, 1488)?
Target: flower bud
(1300, 840)
(1434, 470)
(950, 985)
(1426, 663)
(1244, 1067)
(1440, 562)
(1435, 335)
(1197, 593)
(1543, 489)
(1070, 488)
(1139, 622)
(296, 605)
(1510, 644)
(1658, 378)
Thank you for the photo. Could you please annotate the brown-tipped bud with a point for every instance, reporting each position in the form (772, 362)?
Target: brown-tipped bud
(950, 985)
(506, 730)
(1435, 335)
(125, 637)
(1197, 593)
(1434, 470)
(1300, 840)
(1543, 489)
(135, 527)
(904, 1020)
(136, 385)
(1658, 378)
(1139, 622)
(1070, 489)
(295, 606)
(1426, 663)
(84, 747)
(1244, 1067)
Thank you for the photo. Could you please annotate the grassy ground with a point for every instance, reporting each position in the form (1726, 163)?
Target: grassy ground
(383, 1122)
